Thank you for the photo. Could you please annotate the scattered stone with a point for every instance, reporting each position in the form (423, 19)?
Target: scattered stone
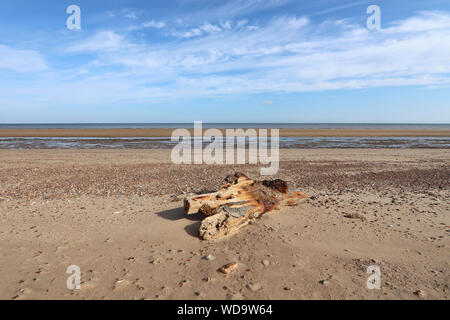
(265, 262)
(209, 257)
(324, 282)
(228, 268)
(355, 216)
(182, 283)
(165, 290)
(420, 293)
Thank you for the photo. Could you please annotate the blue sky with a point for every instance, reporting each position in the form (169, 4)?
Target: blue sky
(225, 61)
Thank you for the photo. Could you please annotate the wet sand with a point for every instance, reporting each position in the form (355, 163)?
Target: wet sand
(117, 214)
(168, 132)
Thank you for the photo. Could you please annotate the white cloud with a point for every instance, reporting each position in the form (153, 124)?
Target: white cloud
(426, 21)
(154, 24)
(148, 24)
(242, 23)
(236, 8)
(226, 25)
(209, 28)
(195, 32)
(131, 15)
(206, 28)
(293, 22)
(102, 41)
(21, 60)
(290, 45)
(285, 54)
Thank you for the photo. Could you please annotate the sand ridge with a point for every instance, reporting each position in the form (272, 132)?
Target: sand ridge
(168, 133)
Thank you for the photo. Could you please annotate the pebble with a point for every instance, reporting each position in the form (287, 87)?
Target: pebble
(228, 268)
(182, 283)
(165, 290)
(209, 257)
(265, 262)
(420, 293)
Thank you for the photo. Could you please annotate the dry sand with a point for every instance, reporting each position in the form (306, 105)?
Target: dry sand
(168, 133)
(118, 216)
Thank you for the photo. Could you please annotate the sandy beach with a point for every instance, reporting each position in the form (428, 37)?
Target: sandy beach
(117, 214)
(108, 133)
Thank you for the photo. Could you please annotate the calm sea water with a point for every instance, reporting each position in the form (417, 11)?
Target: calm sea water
(165, 143)
(285, 142)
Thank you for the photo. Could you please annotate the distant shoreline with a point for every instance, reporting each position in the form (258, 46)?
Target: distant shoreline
(138, 133)
(224, 125)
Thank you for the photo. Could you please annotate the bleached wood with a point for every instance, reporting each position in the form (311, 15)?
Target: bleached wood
(238, 202)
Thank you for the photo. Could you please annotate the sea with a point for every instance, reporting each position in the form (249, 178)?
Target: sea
(166, 142)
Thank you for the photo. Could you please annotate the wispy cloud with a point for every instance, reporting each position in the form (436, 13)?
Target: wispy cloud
(148, 24)
(236, 8)
(206, 28)
(284, 54)
(425, 21)
(21, 60)
(154, 24)
(102, 41)
(288, 54)
(131, 15)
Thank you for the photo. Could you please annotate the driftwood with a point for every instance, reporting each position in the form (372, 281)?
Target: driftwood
(238, 202)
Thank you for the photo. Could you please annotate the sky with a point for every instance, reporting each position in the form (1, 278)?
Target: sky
(225, 61)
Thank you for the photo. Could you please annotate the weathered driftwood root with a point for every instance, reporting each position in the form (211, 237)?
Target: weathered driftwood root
(238, 202)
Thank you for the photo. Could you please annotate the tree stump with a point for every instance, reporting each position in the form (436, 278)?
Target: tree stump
(238, 202)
